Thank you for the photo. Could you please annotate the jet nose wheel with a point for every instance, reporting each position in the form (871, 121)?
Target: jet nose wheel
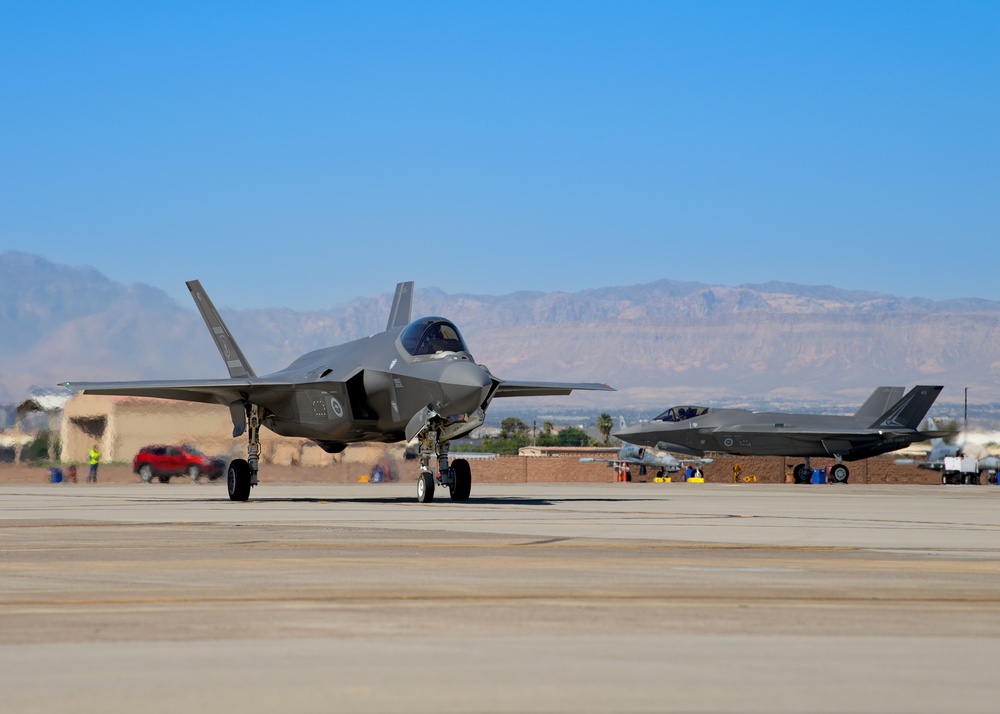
(425, 487)
(839, 473)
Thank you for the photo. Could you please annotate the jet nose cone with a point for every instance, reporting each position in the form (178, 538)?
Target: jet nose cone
(637, 434)
(624, 432)
(465, 385)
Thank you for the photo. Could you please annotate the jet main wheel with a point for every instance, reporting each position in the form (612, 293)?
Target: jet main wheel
(802, 474)
(238, 480)
(425, 487)
(461, 480)
(839, 473)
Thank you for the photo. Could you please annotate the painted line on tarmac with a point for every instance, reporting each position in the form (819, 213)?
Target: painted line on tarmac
(891, 599)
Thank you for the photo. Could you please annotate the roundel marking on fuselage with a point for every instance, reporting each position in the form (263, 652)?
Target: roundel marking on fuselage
(337, 408)
(727, 442)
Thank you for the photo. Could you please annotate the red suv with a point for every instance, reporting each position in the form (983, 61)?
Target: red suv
(166, 461)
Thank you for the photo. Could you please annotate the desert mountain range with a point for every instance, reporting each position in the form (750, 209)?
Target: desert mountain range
(659, 344)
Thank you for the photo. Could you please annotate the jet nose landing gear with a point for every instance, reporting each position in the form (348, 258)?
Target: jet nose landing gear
(425, 487)
(457, 476)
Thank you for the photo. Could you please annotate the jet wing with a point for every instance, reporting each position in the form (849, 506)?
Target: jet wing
(819, 432)
(212, 391)
(546, 389)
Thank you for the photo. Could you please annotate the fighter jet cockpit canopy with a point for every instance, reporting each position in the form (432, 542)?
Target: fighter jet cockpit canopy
(431, 335)
(681, 413)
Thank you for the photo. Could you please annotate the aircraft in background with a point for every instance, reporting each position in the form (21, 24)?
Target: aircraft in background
(414, 382)
(941, 450)
(887, 421)
(631, 455)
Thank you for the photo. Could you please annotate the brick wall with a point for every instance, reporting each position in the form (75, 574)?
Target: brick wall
(519, 469)
(767, 469)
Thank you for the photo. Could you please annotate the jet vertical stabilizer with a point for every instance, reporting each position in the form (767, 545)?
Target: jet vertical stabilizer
(909, 411)
(402, 305)
(878, 403)
(236, 362)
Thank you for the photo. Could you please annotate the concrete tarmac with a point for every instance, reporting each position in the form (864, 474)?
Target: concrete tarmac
(542, 598)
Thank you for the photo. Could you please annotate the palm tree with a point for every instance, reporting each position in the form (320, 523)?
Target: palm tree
(604, 425)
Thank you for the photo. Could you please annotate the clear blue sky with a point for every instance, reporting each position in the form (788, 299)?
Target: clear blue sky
(302, 154)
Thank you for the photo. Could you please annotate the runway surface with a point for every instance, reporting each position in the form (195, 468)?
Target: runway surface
(547, 598)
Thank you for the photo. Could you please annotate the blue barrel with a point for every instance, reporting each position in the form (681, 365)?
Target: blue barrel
(819, 476)
(55, 475)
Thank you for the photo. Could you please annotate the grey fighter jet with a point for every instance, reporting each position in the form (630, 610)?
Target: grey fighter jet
(630, 456)
(887, 421)
(414, 382)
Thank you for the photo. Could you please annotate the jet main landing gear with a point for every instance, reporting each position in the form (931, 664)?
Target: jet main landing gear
(802, 473)
(242, 473)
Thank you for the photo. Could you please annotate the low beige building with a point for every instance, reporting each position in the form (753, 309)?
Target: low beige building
(120, 426)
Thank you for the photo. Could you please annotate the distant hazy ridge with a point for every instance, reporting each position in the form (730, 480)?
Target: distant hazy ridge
(658, 343)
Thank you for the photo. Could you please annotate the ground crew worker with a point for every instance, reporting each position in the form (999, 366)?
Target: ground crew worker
(95, 459)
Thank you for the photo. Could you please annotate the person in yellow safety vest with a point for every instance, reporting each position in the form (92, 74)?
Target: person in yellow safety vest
(95, 459)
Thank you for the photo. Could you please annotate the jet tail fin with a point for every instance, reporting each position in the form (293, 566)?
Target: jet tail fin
(402, 305)
(621, 422)
(909, 411)
(932, 426)
(878, 403)
(236, 362)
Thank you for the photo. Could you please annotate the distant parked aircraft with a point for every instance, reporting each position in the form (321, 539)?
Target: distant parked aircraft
(941, 450)
(884, 423)
(631, 455)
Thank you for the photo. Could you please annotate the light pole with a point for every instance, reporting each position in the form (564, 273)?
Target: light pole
(966, 427)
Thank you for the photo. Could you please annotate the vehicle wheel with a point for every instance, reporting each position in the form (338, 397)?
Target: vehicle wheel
(194, 472)
(238, 480)
(461, 480)
(425, 487)
(839, 473)
(146, 473)
(802, 474)
(945, 478)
